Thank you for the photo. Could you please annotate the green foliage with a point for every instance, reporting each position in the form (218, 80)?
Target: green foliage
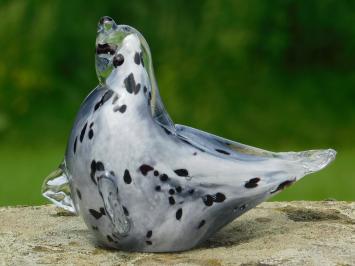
(274, 74)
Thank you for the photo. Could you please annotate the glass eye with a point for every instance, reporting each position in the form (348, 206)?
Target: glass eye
(118, 60)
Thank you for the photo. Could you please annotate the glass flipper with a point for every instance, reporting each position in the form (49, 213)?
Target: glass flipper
(56, 188)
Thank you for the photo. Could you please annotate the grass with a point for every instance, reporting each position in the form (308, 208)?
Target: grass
(23, 170)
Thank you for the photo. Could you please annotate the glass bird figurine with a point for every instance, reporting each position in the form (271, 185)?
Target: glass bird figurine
(143, 183)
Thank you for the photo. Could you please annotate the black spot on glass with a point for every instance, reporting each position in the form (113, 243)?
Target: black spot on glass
(137, 58)
(195, 153)
(97, 105)
(75, 141)
(127, 177)
(106, 48)
(91, 124)
(115, 98)
(93, 170)
(95, 213)
(82, 134)
(141, 56)
(149, 234)
(254, 180)
(178, 214)
(191, 191)
(164, 177)
(156, 173)
(125, 211)
(138, 87)
(171, 200)
(78, 193)
(93, 166)
(157, 188)
(178, 189)
(219, 197)
(252, 183)
(109, 238)
(91, 134)
(145, 89)
(149, 98)
(130, 83)
(100, 166)
(118, 60)
(148, 242)
(144, 168)
(181, 172)
(283, 185)
(222, 151)
(121, 108)
(108, 94)
(102, 210)
(171, 191)
(208, 200)
(202, 223)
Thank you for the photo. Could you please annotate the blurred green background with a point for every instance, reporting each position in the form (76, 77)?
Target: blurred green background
(279, 75)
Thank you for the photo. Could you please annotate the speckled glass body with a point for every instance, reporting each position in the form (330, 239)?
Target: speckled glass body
(142, 183)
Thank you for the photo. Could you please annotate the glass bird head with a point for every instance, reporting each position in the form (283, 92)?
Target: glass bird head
(111, 39)
(112, 42)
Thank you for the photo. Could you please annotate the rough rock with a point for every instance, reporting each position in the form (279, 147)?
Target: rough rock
(275, 233)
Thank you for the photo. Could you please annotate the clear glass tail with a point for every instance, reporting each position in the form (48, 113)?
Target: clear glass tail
(56, 188)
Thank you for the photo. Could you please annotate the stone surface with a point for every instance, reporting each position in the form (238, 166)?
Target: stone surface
(278, 233)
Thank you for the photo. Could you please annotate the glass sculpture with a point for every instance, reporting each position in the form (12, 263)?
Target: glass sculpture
(143, 183)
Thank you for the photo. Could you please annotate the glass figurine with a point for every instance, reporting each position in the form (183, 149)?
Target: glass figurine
(143, 183)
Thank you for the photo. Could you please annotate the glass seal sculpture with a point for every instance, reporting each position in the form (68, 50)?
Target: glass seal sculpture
(142, 183)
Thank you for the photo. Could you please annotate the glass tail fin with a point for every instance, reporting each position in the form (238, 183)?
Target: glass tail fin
(312, 160)
(56, 188)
